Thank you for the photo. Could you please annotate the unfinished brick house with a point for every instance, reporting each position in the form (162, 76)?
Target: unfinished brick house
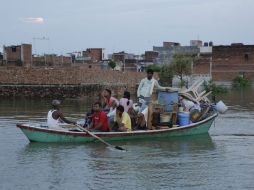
(231, 61)
(20, 55)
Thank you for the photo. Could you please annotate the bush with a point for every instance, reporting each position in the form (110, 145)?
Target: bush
(210, 86)
(240, 82)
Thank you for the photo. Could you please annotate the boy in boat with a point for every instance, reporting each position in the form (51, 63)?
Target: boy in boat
(99, 119)
(55, 117)
(122, 121)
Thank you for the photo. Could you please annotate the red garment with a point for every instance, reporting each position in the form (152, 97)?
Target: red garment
(100, 117)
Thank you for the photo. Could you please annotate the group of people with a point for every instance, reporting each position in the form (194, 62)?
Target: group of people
(109, 114)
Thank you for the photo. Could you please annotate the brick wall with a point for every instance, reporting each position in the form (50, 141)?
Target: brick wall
(71, 75)
(230, 61)
(65, 82)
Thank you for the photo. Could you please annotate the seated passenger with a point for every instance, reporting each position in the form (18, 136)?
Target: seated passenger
(55, 117)
(138, 121)
(109, 103)
(126, 102)
(99, 119)
(122, 121)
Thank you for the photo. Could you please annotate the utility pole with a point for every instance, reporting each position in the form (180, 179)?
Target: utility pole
(41, 39)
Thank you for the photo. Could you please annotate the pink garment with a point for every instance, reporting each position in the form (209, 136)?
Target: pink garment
(124, 101)
(109, 102)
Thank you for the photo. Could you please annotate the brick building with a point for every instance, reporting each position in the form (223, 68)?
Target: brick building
(151, 55)
(95, 54)
(52, 60)
(231, 61)
(19, 55)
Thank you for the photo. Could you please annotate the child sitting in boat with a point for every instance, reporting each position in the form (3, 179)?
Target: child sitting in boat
(99, 119)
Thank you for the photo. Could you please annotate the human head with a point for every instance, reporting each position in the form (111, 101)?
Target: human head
(119, 110)
(55, 104)
(97, 106)
(127, 95)
(107, 92)
(149, 73)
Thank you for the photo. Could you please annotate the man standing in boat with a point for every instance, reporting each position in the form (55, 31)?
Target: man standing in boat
(55, 116)
(145, 89)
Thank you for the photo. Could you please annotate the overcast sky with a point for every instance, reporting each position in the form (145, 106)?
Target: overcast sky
(130, 25)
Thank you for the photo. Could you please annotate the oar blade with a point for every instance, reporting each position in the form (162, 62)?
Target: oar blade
(119, 148)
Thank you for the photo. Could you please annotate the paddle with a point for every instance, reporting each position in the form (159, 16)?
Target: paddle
(100, 139)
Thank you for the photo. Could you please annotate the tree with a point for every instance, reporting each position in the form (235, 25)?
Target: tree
(166, 75)
(154, 67)
(181, 66)
(112, 64)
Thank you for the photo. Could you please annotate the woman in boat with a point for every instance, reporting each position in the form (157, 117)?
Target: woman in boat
(122, 121)
(126, 102)
(55, 117)
(99, 119)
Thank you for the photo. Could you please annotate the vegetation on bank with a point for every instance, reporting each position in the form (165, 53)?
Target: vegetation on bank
(241, 82)
(112, 64)
(216, 89)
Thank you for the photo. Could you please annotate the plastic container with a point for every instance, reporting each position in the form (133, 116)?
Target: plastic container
(167, 99)
(165, 118)
(183, 118)
(221, 107)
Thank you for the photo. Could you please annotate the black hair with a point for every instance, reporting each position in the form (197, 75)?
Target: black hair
(120, 108)
(149, 71)
(97, 103)
(109, 91)
(127, 95)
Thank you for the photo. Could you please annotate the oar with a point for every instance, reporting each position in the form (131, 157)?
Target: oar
(100, 139)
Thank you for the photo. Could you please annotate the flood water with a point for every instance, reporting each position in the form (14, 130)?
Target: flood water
(222, 159)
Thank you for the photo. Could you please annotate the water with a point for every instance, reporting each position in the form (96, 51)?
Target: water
(222, 160)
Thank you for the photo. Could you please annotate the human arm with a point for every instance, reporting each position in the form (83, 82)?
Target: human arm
(58, 114)
(170, 89)
(140, 87)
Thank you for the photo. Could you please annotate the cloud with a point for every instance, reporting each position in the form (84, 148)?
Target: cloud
(33, 20)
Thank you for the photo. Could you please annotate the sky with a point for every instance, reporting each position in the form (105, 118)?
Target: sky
(133, 26)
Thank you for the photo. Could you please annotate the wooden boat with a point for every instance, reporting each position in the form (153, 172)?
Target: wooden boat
(44, 134)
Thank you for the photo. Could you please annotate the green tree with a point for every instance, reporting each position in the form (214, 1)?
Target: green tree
(166, 75)
(112, 64)
(154, 67)
(181, 66)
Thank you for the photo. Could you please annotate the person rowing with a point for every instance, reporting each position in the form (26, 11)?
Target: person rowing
(55, 117)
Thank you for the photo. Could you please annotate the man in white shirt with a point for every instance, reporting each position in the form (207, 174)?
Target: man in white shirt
(145, 89)
(55, 117)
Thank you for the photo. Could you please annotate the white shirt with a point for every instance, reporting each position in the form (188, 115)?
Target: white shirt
(52, 123)
(145, 87)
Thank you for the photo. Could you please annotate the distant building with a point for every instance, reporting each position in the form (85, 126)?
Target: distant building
(166, 52)
(19, 55)
(233, 60)
(52, 60)
(95, 54)
(151, 55)
(197, 43)
(170, 44)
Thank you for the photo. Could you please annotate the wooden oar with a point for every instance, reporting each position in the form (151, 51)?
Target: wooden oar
(100, 139)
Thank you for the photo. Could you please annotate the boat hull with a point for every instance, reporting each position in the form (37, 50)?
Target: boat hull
(38, 134)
